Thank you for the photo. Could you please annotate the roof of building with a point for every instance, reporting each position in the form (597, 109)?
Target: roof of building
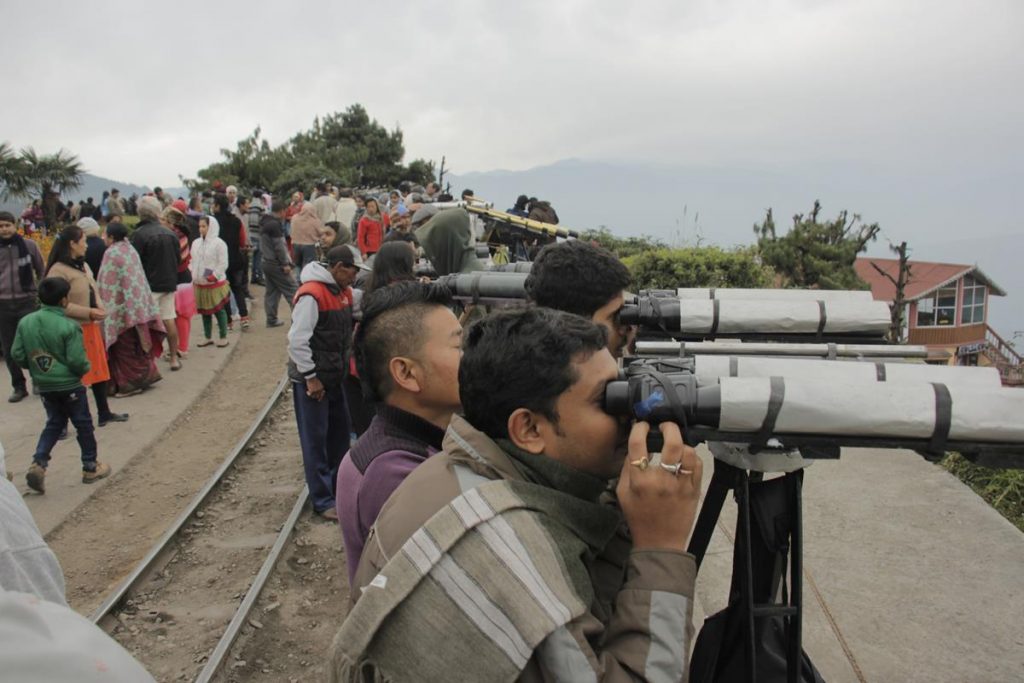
(925, 277)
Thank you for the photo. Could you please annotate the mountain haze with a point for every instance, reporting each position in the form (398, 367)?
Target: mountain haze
(941, 218)
(92, 186)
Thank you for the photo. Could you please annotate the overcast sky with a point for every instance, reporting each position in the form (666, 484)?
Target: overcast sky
(144, 96)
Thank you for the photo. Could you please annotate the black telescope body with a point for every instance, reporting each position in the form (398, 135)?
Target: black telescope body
(667, 390)
(487, 286)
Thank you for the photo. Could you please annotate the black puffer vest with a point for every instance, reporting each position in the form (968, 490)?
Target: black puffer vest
(332, 336)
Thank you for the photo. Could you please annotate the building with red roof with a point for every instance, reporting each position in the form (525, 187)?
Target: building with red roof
(947, 311)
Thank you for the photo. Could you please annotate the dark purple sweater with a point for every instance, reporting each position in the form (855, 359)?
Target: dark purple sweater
(395, 443)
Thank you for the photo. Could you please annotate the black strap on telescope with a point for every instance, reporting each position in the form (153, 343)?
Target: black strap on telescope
(715, 305)
(775, 399)
(474, 286)
(711, 292)
(734, 366)
(880, 372)
(833, 351)
(656, 309)
(943, 419)
(822, 317)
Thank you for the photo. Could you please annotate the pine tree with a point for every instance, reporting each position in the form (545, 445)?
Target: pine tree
(816, 254)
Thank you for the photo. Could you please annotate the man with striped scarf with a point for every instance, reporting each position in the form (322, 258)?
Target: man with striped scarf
(505, 556)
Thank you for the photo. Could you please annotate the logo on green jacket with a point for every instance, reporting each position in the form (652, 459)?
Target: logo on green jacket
(43, 361)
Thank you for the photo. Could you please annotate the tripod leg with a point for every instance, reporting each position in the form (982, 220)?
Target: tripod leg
(793, 656)
(747, 580)
(721, 481)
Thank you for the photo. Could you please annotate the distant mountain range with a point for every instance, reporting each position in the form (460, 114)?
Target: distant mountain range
(94, 186)
(941, 218)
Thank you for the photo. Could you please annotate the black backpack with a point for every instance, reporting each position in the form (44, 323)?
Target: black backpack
(720, 652)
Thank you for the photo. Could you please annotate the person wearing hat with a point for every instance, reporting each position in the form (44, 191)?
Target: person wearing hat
(319, 342)
(21, 264)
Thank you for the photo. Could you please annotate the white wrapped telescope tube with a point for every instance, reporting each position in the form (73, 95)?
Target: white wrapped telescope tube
(711, 368)
(733, 348)
(784, 317)
(774, 294)
(881, 409)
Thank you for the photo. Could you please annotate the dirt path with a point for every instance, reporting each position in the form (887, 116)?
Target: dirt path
(103, 539)
(300, 610)
(180, 612)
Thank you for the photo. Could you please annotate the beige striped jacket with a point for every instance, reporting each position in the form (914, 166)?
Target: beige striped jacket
(502, 579)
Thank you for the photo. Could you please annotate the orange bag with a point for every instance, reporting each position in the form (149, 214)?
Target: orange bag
(96, 351)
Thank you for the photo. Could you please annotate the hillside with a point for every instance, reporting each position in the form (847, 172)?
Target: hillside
(92, 186)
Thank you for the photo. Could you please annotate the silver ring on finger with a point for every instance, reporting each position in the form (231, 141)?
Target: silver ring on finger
(675, 469)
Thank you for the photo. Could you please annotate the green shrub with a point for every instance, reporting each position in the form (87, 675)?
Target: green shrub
(697, 267)
(1002, 489)
(622, 246)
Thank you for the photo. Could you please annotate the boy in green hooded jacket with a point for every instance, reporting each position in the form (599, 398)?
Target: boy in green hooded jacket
(49, 345)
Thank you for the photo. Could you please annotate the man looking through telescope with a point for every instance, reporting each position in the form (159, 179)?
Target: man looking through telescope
(518, 493)
(578, 277)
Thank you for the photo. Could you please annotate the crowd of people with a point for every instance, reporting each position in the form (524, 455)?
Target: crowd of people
(465, 454)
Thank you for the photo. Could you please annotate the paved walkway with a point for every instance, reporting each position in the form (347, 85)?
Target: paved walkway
(152, 412)
(908, 574)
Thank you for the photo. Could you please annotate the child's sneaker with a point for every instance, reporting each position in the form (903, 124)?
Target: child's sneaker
(36, 478)
(102, 471)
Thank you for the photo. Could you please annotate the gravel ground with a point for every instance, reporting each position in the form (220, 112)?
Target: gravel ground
(300, 610)
(104, 538)
(178, 614)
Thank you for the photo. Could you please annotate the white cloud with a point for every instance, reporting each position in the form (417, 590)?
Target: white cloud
(144, 96)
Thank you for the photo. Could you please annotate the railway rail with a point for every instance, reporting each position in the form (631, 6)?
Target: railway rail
(188, 600)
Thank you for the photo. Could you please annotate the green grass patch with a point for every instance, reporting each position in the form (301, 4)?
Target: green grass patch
(1002, 489)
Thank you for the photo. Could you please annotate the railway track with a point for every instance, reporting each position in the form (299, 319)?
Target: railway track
(184, 605)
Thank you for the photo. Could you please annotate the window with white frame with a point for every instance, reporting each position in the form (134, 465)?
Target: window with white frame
(972, 309)
(937, 309)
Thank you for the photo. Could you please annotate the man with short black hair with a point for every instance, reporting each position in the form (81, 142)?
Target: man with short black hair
(578, 277)
(21, 264)
(160, 253)
(115, 205)
(276, 263)
(324, 203)
(432, 191)
(507, 540)
(232, 232)
(159, 193)
(407, 351)
(318, 352)
(253, 217)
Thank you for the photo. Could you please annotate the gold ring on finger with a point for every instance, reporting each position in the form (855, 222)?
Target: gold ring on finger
(642, 463)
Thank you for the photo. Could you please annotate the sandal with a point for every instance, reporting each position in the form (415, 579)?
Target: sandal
(205, 342)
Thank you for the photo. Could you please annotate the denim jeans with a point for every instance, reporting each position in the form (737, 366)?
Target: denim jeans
(62, 406)
(257, 263)
(303, 253)
(324, 436)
